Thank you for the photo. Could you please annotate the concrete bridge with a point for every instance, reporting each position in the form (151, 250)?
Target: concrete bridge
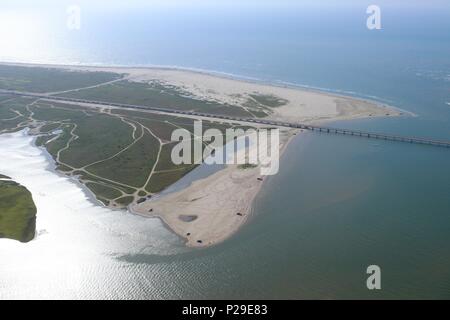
(323, 129)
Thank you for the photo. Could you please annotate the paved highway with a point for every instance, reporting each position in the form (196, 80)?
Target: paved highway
(323, 129)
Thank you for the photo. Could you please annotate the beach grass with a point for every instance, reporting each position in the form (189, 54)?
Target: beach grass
(154, 95)
(97, 137)
(125, 201)
(247, 166)
(269, 100)
(23, 78)
(102, 191)
(159, 180)
(133, 166)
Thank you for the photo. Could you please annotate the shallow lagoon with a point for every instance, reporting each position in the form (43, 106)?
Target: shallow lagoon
(338, 205)
(76, 240)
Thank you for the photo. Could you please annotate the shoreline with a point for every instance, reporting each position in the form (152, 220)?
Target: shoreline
(218, 74)
(51, 166)
(212, 209)
(242, 186)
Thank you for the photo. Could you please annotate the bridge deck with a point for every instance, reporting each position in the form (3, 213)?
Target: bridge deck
(328, 130)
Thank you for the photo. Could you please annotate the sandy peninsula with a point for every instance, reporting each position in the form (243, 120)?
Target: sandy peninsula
(212, 209)
(302, 105)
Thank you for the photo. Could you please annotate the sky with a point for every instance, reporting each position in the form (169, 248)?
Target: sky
(26, 24)
(220, 3)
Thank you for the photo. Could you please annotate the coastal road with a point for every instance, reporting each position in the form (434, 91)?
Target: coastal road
(313, 128)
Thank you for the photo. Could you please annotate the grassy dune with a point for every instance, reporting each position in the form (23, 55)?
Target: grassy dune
(154, 95)
(268, 100)
(49, 79)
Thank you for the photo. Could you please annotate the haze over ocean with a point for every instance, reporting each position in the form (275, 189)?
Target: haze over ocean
(299, 42)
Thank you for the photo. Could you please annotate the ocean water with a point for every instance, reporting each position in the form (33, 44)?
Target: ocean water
(338, 205)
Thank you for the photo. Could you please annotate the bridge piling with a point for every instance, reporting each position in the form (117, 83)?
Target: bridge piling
(328, 130)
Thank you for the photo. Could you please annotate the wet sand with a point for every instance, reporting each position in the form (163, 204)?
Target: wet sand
(212, 209)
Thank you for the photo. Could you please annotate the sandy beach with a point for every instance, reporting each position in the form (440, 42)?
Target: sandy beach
(302, 105)
(210, 210)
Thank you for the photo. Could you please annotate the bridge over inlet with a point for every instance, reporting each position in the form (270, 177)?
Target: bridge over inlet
(313, 128)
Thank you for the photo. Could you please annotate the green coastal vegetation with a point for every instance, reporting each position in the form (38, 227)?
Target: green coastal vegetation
(17, 211)
(123, 156)
(268, 100)
(40, 80)
(247, 166)
(154, 94)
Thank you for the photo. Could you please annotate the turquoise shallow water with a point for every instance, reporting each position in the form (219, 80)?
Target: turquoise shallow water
(338, 204)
